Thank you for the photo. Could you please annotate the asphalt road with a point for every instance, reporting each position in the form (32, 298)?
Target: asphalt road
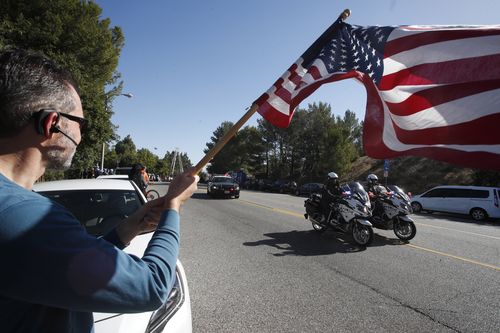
(254, 264)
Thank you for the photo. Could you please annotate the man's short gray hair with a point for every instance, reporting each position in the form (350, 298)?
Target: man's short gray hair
(30, 82)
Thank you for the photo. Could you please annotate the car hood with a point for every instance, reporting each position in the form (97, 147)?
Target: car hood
(137, 322)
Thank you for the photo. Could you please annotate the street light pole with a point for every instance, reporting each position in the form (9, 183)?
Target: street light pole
(128, 95)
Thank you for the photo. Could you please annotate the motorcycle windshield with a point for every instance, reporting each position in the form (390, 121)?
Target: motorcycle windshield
(398, 191)
(357, 191)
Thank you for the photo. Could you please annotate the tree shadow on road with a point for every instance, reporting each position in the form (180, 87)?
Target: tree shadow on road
(311, 243)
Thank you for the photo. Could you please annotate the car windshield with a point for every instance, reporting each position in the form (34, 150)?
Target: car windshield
(222, 180)
(99, 211)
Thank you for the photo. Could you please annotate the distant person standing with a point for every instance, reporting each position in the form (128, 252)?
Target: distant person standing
(137, 177)
(145, 175)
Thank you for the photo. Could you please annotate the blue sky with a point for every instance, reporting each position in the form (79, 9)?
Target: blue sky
(193, 64)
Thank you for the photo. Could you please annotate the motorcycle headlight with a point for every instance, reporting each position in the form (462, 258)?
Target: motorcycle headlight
(214, 187)
(237, 188)
(160, 317)
(362, 208)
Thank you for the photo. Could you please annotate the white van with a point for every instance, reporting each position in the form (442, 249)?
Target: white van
(477, 201)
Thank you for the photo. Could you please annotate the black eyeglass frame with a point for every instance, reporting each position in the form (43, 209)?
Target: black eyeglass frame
(81, 121)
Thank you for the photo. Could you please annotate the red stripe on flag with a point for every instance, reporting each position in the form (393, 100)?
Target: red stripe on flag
(481, 131)
(455, 71)
(376, 148)
(283, 94)
(262, 99)
(272, 115)
(433, 36)
(292, 69)
(295, 79)
(431, 97)
(314, 72)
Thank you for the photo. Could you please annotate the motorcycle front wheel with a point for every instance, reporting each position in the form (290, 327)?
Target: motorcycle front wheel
(362, 234)
(404, 230)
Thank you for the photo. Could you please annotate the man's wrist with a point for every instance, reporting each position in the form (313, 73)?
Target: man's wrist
(126, 231)
(172, 203)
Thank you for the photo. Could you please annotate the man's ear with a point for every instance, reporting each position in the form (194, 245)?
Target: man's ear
(48, 122)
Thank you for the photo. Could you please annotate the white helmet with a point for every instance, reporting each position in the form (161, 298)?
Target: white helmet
(372, 179)
(332, 180)
(332, 175)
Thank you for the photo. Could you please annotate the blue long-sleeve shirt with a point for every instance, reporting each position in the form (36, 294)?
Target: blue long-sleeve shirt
(54, 275)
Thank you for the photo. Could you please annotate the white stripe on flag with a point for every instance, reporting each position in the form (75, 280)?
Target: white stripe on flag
(402, 93)
(444, 51)
(446, 114)
(410, 30)
(391, 141)
(277, 102)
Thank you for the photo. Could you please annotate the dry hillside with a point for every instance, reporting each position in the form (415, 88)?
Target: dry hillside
(413, 174)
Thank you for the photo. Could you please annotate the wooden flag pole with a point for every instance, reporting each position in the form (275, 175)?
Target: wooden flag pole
(222, 141)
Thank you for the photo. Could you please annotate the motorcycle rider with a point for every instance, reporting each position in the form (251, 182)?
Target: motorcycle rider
(331, 194)
(374, 190)
(372, 183)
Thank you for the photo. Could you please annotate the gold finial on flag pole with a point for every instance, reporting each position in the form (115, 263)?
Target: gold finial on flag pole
(345, 14)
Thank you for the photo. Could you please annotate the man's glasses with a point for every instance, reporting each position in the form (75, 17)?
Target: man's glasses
(81, 121)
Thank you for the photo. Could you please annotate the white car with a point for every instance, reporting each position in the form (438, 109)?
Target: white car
(479, 202)
(100, 205)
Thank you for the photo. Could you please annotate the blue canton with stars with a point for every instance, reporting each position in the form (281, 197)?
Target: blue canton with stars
(356, 48)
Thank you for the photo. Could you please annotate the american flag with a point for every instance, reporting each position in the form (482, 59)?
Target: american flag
(432, 91)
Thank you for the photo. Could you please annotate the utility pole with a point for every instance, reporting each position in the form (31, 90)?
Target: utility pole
(176, 156)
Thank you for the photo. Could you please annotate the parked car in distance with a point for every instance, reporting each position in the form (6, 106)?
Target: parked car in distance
(251, 184)
(284, 186)
(100, 205)
(477, 201)
(265, 185)
(309, 188)
(224, 186)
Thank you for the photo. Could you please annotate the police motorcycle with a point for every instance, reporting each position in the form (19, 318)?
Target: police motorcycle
(350, 215)
(391, 207)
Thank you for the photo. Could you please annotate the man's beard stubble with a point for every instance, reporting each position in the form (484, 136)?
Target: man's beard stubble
(60, 159)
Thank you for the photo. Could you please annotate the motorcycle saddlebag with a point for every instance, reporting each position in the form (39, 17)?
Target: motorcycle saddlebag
(311, 206)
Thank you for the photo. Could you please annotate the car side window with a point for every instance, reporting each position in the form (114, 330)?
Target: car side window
(433, 193)
(453, 193)
(463, 193)
(480, 194)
